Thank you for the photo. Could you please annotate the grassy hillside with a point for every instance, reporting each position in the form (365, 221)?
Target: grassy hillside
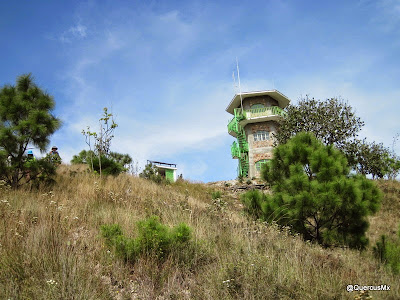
(51, 246)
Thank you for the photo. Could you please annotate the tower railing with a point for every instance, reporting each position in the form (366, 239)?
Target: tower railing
(248, 114)
(259, 112)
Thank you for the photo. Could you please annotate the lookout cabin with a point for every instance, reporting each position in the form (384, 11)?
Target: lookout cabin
(255, 119)
(166, 170)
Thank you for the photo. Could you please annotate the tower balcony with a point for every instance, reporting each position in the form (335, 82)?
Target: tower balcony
(245, 116)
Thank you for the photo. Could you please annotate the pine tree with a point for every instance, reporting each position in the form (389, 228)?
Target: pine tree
(25, 119)
(314, 194)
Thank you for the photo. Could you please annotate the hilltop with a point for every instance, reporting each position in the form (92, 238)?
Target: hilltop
(51, 247)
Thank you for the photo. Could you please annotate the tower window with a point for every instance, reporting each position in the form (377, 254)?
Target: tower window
(260, 163)
(258, 105)
(261, 135)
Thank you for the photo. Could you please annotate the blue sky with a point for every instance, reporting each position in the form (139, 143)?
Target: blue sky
(164, 68)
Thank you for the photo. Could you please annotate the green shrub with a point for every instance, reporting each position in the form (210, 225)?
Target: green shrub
(388, 252)
(112, 164)
(110, 233)
(253, 201)
(108, 166)
(153, 239)
(216, 195)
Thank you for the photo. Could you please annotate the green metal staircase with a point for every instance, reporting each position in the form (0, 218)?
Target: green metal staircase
(240, 150)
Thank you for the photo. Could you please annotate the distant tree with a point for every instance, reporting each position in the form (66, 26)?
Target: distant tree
(84, 157)
(393, 166)
(113, 164)
(314, 194)
(332, 121)
(102, 139)
(123, 159)
(372, 158)
(25, 119)
(150, 172)
(108, 165)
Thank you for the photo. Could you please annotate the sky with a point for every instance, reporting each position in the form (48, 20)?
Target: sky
(164, 68)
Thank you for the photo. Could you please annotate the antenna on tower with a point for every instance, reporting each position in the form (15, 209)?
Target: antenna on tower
(240, 90)
(234, 82)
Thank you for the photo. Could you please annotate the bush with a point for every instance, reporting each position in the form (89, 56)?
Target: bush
(40, 172)
(153, 239)
(113, 164)
(253, 201)
(216, 195)
(108, 166)
(314, 194)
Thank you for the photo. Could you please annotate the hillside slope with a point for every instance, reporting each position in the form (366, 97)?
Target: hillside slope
(51, 246)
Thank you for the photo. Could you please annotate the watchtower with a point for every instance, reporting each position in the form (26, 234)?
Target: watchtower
(255, 116)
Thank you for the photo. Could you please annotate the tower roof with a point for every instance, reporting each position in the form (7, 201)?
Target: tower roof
(235, 103)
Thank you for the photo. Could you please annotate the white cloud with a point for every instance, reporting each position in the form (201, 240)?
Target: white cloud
(76, 32)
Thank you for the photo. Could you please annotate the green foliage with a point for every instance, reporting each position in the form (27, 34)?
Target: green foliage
(253, 201)
(102, 139)
(25, 119)
(314, 194)
(102, 144)
(40, 171)
(332, 121)
(113, 164)
(150, 172)
(125, 160)
(153, 239)
(110, 233)
(372, 158)
(216, 194)
(108, 166)
(84, 157)
(388, 252)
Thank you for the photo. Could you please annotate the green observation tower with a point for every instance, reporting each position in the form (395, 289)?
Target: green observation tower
(255, 119)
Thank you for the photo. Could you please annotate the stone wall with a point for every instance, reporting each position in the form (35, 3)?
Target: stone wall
(259, 149)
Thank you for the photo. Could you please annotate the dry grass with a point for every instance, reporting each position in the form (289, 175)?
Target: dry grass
(51, 248)
(387, 220)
